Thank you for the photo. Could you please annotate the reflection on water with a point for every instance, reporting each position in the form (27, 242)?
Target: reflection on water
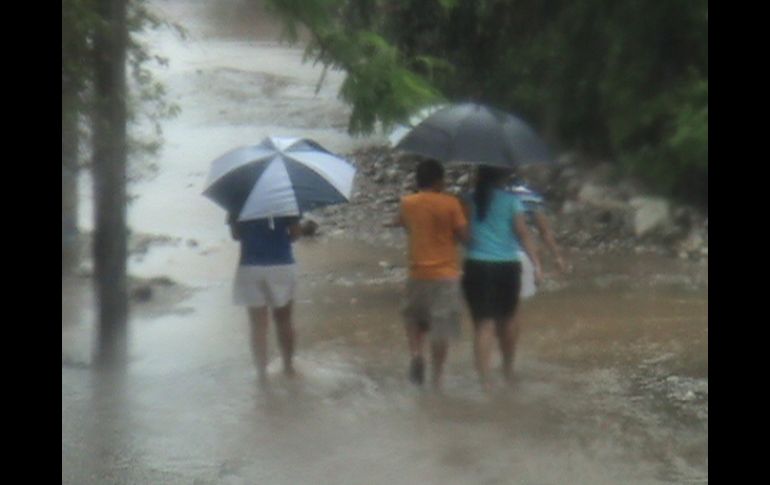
(611, 374)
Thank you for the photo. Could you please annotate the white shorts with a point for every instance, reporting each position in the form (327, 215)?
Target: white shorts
(528, 287)
(259, 286)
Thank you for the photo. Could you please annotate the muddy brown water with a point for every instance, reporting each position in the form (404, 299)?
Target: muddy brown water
(611, 373)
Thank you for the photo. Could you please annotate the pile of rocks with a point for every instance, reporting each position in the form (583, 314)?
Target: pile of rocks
(594, 210)
(591, 209)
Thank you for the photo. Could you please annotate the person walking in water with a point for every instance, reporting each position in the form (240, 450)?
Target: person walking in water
(435, 225)
(492, 269)
(265, 280)
(534, 207)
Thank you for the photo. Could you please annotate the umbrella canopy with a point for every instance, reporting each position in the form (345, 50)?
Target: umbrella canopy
(278, 177)
(477, 134)
(401, 130)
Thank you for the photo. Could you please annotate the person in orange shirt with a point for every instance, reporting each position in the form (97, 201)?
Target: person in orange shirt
(435, 223)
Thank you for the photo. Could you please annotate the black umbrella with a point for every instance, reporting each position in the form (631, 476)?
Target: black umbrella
(477, 134)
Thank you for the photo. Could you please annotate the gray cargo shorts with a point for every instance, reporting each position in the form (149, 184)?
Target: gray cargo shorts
(433, 305)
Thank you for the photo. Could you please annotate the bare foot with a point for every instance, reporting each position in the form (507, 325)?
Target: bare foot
(417, 371)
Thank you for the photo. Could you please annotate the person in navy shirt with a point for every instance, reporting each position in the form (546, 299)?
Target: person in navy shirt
(266, 280)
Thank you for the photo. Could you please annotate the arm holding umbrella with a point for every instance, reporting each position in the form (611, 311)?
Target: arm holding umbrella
(233, 223)
(295, 230)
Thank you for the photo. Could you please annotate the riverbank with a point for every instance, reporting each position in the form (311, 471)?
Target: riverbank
(592, 213)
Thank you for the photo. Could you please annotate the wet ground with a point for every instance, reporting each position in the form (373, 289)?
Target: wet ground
(611, 374)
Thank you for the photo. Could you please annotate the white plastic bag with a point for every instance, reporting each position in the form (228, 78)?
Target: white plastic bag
(528, 288)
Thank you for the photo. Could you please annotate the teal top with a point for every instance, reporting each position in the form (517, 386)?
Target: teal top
(494, 239)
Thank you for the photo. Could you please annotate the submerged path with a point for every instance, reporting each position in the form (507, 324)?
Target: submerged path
(612, 378)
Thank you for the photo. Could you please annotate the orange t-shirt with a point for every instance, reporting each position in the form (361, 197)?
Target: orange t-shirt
(431, 219)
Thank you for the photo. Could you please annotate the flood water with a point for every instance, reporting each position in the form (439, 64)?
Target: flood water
(611, 374)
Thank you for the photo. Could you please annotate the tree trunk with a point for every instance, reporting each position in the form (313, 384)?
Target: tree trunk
(109, 170)
(70, 247)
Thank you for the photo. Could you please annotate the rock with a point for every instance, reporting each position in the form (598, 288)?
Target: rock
(599, 196)
(392, 174)
(605, 217)
(569, 207)
(142, 293)
(602, 173)
(309, 228)
(567, 158)
(591, 194)
(650, 213)
(163, 281)
(693, 242)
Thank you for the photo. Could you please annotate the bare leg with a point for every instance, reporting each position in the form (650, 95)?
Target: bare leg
(482, 346)
(258, 323)
(416, 340)
(285, 333)
(508, 335)
(439, 350)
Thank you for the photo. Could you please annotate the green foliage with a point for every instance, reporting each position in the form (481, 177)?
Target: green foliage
(679, 163)
(148, 100)
(620, 79)
(379, 86)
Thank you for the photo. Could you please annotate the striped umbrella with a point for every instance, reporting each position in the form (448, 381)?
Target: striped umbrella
(279, 177)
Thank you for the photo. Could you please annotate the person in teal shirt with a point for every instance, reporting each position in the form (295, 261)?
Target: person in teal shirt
(492, 267)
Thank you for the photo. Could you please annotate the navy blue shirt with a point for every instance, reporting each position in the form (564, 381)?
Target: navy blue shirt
(265, 244)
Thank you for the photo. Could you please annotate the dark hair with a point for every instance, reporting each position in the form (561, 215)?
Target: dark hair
(428, 173)
(488, 178)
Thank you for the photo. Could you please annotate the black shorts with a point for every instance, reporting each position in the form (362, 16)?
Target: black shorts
(491, 289)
